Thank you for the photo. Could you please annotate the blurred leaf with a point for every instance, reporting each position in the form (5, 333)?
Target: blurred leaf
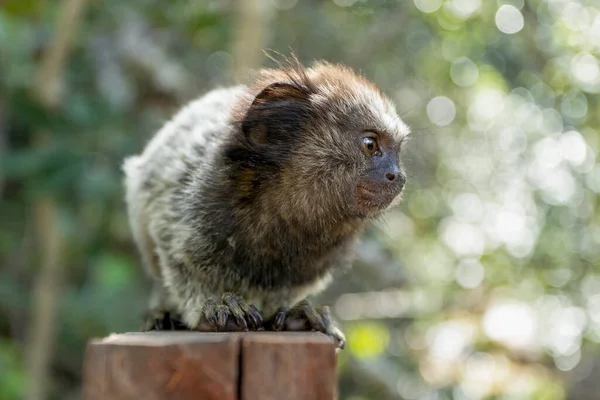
(20, 164)
(22, 7)
(30, 113)
(13, 378)
(113, 272)
(549, 391)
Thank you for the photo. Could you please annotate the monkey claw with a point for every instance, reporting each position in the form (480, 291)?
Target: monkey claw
(303, 317)
(233, 315)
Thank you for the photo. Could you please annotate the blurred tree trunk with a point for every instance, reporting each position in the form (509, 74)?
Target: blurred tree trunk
(47, 89)
(252, 35)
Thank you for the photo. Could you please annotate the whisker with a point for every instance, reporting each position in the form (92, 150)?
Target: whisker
(405, 113)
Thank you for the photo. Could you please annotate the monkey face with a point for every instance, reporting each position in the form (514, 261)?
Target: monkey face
(355, 149)
(345, 170)
(322, 144)
(382, 177)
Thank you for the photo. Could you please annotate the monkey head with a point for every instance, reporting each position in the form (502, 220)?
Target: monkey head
(322, 143)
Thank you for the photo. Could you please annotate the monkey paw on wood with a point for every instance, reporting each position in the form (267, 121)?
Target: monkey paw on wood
(233, 315)
(303, 317)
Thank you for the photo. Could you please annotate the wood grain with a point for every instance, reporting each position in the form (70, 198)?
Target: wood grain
(223, 366)
(156, 366)
(291, 366)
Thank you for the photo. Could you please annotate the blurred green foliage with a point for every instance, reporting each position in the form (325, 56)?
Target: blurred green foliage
(485, 283)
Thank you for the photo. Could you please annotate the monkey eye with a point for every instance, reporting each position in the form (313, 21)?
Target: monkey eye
(370, 146)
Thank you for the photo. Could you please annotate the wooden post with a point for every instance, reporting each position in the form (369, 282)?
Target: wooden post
(207, 366)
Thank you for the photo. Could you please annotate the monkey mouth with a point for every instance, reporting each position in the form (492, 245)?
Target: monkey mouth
(375, 198)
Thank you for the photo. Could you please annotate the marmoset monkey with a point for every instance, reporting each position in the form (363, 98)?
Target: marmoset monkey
(250, 198)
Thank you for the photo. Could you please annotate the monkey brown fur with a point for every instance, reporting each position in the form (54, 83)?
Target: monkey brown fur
(254, 196)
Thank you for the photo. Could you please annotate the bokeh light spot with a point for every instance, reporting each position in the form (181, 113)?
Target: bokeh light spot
(573, 147)
(428, 6)
(509, 19)
(574, 104)
(448, 340)
(463, 239)
(470, 273)
(585, 68)
(441, 111)
(513, 324)
(463, 8)
(464, 72)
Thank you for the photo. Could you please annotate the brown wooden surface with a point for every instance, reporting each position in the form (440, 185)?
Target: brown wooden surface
(291, 367)
(169, 365)
(223, 366)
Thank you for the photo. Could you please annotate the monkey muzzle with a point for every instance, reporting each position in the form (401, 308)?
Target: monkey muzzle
(377, 196)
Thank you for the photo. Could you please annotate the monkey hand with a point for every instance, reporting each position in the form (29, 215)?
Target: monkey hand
(303, 317)
(233, 315)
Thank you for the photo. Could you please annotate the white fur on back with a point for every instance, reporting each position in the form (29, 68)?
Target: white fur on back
(165, 158)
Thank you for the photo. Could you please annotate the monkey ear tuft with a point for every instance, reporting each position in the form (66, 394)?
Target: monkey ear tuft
(281, 91)
(276, 112)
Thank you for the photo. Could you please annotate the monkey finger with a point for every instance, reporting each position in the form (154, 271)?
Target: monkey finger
(339, 337)
(313, 317)
(236, 307)
(209, 312)
(240, 309)
(325, 319)
(278, 322)
(152, 320)
(254, 317)
(222, 316)
(233, 302)
(241, 322)
(332, 330)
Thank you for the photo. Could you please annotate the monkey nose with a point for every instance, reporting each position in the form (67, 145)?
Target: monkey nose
(395, 177)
